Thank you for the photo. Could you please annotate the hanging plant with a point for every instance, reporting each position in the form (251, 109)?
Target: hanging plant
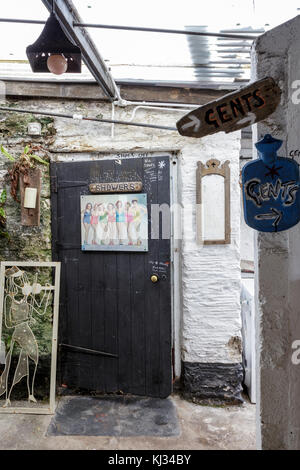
(3, 232)
(25, 162)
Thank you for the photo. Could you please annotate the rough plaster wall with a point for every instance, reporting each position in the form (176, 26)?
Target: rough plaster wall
(211, 274)
(277, 54)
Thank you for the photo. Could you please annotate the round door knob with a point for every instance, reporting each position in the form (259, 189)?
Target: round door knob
(154, 278)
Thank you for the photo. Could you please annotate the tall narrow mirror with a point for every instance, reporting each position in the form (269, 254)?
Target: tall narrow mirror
(213, 203)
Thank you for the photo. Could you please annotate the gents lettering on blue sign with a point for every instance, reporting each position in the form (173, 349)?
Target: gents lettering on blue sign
(260, 192)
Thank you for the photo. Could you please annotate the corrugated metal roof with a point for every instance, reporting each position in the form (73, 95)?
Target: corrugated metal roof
(221, 58)
(210, 62)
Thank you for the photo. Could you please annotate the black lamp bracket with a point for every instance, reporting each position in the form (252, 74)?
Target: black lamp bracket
(53, 40)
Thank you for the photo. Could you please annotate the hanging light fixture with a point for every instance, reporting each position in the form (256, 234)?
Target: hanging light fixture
(53, 51)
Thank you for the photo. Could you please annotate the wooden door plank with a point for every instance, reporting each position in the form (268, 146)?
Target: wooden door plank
(98, 323)
(80, 317)
(164, 286)
(84, 327)
(111, 320)
(152, 346)
(69, 277)
(138, 280)
(63, 318)
(124, 322)
(111, 300)
(134, 168)
(71, 369)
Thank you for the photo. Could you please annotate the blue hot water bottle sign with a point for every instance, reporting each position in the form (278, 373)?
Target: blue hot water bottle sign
(271, 189)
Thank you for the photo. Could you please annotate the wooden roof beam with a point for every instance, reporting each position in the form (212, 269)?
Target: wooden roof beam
(67, 15)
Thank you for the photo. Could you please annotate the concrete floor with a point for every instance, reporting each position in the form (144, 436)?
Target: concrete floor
(202, 428)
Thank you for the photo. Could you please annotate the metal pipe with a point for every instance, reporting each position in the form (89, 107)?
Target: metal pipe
(181, 110)
(13, 20)
(71, 116)
(112, 118)
(160, 104)
(167, 31)
(138, 28)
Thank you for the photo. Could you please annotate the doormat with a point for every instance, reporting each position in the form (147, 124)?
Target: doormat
(114, 416)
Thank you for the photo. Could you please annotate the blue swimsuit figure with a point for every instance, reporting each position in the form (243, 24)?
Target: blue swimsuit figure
(87, 217)
(120, 216)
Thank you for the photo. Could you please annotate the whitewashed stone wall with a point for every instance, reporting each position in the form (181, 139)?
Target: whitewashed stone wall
(211, 274)
(210, 289)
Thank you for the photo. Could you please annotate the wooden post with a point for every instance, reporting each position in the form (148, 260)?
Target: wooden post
(30, 217)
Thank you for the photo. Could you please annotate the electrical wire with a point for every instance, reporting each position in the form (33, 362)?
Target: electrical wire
(80, 117)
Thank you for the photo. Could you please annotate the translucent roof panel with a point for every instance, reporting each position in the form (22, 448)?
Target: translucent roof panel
(152, 56)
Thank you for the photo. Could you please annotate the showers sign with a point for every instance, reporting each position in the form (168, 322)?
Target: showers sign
(232, 112)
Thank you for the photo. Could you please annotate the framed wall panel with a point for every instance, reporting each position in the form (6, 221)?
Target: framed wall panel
(213, 203)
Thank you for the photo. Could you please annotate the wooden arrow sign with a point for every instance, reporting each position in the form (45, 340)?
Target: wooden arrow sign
(234, 111)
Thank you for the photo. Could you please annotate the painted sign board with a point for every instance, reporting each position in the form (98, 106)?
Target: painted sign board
(116, 187)
(271, 186)
(234, 111)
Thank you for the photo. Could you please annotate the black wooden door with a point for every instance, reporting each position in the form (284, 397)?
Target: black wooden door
(108, 302)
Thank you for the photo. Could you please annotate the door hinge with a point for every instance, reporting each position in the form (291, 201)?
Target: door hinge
(55, 184)
(67, 246)
(71, 184)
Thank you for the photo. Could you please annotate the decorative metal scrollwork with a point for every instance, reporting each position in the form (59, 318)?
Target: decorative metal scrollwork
(23, 300)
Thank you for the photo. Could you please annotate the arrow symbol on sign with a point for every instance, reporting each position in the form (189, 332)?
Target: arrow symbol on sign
(250, 119)
(274, 214)
(194, 122)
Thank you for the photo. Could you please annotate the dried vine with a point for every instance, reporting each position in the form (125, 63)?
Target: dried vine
(21, 166)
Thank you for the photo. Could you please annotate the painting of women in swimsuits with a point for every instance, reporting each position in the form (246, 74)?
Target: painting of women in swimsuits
(26, 315)
(114, 222)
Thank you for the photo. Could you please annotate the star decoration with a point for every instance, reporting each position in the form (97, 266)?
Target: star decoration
(273, 171)
(161, 164)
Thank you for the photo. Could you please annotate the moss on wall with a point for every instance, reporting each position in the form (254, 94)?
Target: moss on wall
(28, 243)
(15, 125)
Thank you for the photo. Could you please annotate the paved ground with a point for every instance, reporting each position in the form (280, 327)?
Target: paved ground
(202, 427)
(115, 416)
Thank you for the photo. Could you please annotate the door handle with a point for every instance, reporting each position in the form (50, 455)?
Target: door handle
(154, 278)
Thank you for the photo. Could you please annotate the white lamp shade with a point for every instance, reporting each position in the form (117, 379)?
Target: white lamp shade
(57, 64)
